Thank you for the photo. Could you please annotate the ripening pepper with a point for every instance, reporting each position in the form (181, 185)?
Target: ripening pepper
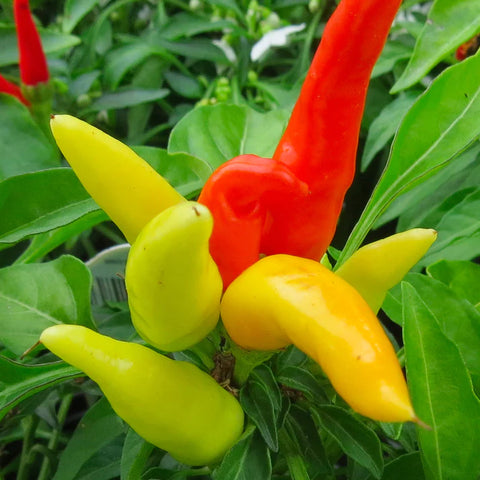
(283, 300)
(316, 154)
(377, 267)
(468, 48)
(33, 63)
(11, 89)
(173, 284)
(171, 404)
(129, 190)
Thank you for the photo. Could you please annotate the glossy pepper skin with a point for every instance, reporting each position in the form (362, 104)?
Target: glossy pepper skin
(11, 89)
(33, 63)
(129, 190)
(283, 300)
(173, 284)
(317, 149)
(377, 267)
(171, 404)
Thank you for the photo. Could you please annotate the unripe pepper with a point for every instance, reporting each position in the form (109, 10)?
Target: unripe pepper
(318, 149)
(129, 190)
(171, 404)
(173, 284)
(377, 267)
(283, 300)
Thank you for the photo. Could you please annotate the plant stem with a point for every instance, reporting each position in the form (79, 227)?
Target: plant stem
(295, 461)
(53, 443)
(30, 425)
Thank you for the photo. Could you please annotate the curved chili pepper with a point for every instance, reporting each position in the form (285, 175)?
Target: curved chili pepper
(33, 63)
(283, 300)
(318, 148)
(11, 89)
(172, 404)
(468, 48)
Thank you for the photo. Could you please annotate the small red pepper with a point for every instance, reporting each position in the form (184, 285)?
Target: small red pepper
(33, 63)
(253, 214)
(11, 89)
(468, 49)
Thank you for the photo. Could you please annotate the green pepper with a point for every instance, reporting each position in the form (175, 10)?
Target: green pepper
(171, 404)
(173, 284)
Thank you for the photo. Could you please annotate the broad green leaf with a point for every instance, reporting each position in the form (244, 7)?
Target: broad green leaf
(384, 126)
(104, 464)
(39, 202)
(75, 11)
(262, 402)
(98, 427)
(51, 42)
(36, 296)
(23, 146)
(186, 173)
(247, 460)
(463, 278)
(187, 25)
(408, 466)
(459, 224)
(416, 204)
(442, 123)
(458, 318)
(127, 98)
(356, 439)
(392, 53)
(186, 86)
(449, 24)
(135, 454)
(442, 395)
(43, 243)
(19, 381)
(118, 62)
(219, 133)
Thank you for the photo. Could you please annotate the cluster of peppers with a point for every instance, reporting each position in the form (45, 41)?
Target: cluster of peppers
(248, 251)
(34, 73)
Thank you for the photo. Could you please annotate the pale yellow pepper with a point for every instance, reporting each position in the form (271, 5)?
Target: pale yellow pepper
(282, 300)
(174, 286)
(171, 404)
(125, 186)
(377, 267)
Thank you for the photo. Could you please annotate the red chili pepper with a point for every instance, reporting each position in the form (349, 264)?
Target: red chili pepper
(318, 148)
(33, 63)
(468, 49)
(12, 89)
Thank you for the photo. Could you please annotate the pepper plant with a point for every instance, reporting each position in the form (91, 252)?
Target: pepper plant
(238, 336)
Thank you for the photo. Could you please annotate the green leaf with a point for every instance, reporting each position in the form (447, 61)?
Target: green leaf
(51, 42)
(300, 379)
(262, 401)
(135, 454)
(43, 243)
(186, 173)
(247, 460)
(75, 11)
(186, 86)
(127, 98)
(384, 126)
(98, 427)
(19, 381)
(355, 439)
(445, 305)
(392, 53)
(442, 395)
(36, 296)
(408, 466)
(463, 278)
(104, 464)
(448, 25)
(458, 231)
(38, 202)
(442, 123)
(23, 146)
(219, 133)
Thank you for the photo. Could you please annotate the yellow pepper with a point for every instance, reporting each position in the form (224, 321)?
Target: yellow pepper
(282, 300)
(377, 267)
(129, 190)
(171, 404)
(173, 284)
